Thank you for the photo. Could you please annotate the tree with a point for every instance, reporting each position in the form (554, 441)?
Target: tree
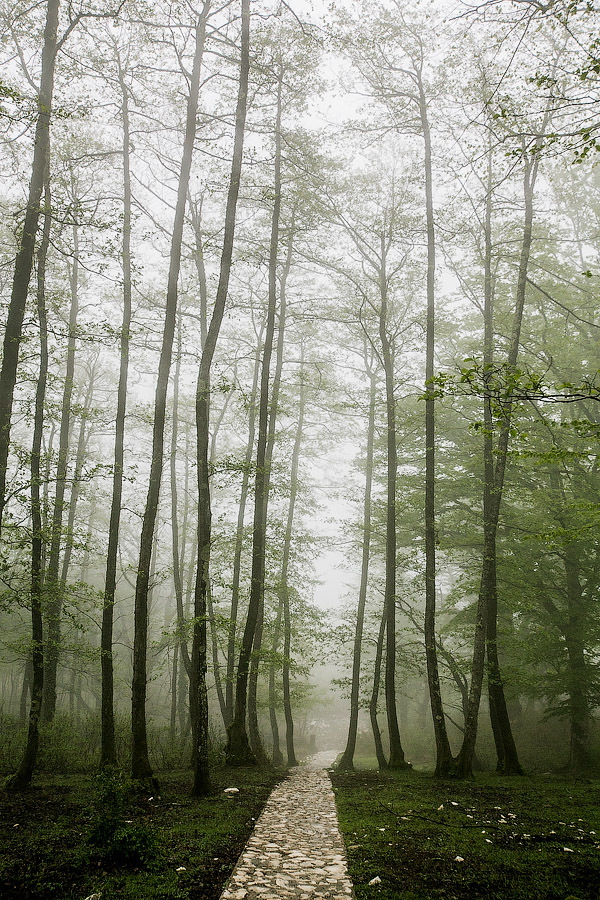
(140, 764)
(198, 698)
(25, 254)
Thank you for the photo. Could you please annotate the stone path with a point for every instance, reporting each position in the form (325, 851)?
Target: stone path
(296, 851)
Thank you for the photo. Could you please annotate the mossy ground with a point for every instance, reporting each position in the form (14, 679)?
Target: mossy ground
(496, 838)
(45, 850)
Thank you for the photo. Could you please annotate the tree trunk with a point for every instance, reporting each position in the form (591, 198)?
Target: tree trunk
(140, 764)
(209, 602)
(80, 456)
(284, 591)
(176, 552)
(52, 587)
(346, 762)
(22, 777)
(25, 691)
(396, 760)
(198, 696)
(443, 762)
(276, 754)
(238, 748)
(25, 253)
(486, 616)
(239, 537)
(381, 760)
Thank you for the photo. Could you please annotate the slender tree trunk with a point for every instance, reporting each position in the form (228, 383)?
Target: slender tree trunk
(22, 777)
(276, 754)
(443, 764)
(80, 456)
(284, 591)
(174, 695)
(373, 702)
(253, 731)
(177, 552)
(198, 696)
(108, 750)
(25, 691)
(214, 638)
(52, 588)
(486, 615)
(238, 749)
(25, 253)
(346, 762)
(140, 763)
(396, 760)
(239, 536)
(216, 662)
(573, 630)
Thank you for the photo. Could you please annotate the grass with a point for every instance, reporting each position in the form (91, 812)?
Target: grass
(531, 838)
(46, 849)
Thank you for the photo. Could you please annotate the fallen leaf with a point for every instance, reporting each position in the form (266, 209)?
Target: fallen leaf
(376, 880)
(459, 859)
(568, 850)
(181, 869)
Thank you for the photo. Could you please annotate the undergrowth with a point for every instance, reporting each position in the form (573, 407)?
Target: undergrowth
(410, 836)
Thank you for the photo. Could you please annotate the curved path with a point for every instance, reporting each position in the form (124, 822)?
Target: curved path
(296, 851)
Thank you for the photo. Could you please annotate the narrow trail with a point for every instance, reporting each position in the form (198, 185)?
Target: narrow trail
(296, 850)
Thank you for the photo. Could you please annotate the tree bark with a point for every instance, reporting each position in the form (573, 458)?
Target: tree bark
(140, 764)
(239, 536)
(22, 777)
(80, 456)
(396, 760)
(52, 587)
(276, 754)
(346, 763)
(373, 702)
(494, 472)
(108, 750)
(284, 591)
(25, 253)
(238, 750)
(198, 696)
(444, 761)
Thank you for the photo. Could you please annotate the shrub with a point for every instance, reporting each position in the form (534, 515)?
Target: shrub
(114, 839)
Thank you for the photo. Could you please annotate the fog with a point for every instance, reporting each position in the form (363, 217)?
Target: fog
(299, 388)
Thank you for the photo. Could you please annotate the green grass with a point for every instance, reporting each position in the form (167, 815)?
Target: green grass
(409, 828)
(45, 851)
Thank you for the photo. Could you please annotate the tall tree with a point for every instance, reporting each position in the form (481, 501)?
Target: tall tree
(26, 249)
(198, 696)
(108, 752)
(140, 763)
(486, 615)
(22, 777)
(238, 747)
(396, 758)
(346, 762)
(52, 587)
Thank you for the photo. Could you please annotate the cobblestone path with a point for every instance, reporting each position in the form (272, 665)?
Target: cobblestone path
(296, 851)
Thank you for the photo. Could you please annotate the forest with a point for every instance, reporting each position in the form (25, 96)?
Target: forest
(299, 402)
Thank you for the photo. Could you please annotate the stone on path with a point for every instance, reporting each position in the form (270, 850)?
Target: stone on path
(296, 851)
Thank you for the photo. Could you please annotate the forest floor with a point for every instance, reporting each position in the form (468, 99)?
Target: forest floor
(412, 837)
(70, 837)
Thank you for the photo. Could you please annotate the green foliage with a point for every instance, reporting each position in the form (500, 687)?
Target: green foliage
(116, 840)
(46, 854)
(527, 839)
